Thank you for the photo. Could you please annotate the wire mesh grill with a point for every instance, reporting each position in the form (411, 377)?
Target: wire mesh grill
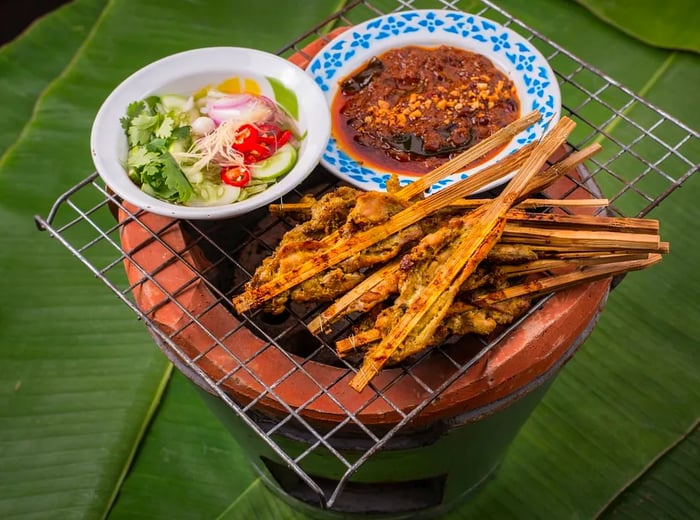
(647, 154)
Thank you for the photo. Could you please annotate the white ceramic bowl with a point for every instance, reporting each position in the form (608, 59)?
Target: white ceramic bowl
(530, 72)
(186, 73)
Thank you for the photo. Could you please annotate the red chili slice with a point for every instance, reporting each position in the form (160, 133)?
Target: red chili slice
(269, 133)
(259, 152)
(237, 176)
(247, 138)
(257, 143)
(283, 138)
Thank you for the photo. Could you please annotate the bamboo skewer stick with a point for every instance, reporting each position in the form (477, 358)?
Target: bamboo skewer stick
(305, 207)
(477, 242)
(561, 203)
(566, 250)
(576, 251)
(548, 176)
(554, 264)
(355, 341)
(530, 235)
(545, 285)
(344, 249)
(627, 225)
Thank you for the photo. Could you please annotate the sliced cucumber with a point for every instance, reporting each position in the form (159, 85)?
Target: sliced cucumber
(193, 175)
(173, 102)
(215, 195)
(253, 189)
(275, 166)
(179, 146)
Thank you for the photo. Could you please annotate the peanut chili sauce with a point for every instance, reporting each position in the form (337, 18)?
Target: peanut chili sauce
(412, 109)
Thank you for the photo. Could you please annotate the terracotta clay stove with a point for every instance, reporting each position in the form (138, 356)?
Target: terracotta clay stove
(291, 386)
(174, 279)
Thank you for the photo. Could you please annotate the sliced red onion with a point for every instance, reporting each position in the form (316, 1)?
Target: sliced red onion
(241, 107)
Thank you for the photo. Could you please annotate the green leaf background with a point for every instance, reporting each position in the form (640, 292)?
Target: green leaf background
(94, 423)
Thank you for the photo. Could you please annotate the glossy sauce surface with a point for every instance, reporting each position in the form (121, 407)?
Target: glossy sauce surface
(411, 109)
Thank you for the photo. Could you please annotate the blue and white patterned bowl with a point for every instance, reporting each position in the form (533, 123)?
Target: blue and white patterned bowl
(532, 76)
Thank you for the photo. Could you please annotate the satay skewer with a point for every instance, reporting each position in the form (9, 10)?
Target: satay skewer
(469, 185)
(345, 248)
(594, 269)
(417, 321)
(347, 302)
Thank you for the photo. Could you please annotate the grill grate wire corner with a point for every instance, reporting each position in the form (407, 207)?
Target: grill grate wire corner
(647, 154)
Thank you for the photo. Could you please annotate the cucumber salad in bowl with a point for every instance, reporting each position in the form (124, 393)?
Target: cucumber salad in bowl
(211, 148)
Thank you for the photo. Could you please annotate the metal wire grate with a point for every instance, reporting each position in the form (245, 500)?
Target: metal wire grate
(647, 155)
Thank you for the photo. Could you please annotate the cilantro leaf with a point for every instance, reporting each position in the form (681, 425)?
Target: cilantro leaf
(135, 108)
(141, 129)
(166, 128)
(151, 172)
(140, 156)
(181, 132)
(149, 131)
(152, 103)
(157, 145)
(175, 178)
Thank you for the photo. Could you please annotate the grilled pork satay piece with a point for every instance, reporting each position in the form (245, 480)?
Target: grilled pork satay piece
(345, 213)
(461, 318)
(383, 284)
(511, 254)
(327, 214)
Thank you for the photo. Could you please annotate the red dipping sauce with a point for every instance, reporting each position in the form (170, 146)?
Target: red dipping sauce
(412, 109)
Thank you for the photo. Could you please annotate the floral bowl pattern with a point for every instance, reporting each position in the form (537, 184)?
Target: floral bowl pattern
(534, 79)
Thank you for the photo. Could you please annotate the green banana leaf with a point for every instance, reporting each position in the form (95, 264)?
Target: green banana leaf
(93, 426)
(672, 25)
(57, 39)
(668, 482)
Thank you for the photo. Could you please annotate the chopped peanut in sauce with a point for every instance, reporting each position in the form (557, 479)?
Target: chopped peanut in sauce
(422, 106)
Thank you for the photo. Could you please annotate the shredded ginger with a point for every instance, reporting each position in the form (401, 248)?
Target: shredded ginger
(216, 147)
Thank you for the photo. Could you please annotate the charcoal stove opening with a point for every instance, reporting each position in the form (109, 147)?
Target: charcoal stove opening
(363, 497)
